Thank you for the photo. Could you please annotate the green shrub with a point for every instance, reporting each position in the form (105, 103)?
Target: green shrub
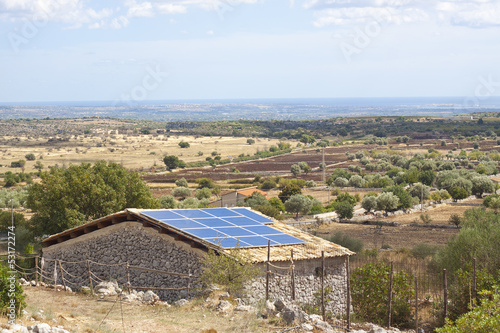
(422, 251)
(342, 239)
(483, 318)
(10, 293)
(370, 287)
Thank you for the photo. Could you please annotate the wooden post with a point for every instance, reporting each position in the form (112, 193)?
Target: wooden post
(189, 281)
(445, 296)
(293, 276)
(416, 304)
(128, 277)
(323, 285)
(90, 278)
(389, 299)
(36, 270)
(267, 270)
(348, 314)
(62, 276)
(474, 286)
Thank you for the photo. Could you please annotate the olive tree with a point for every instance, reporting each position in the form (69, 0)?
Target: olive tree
(298, 204)
(387, 201)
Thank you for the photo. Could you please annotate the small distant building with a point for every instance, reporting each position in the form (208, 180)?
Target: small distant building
(230, 199)
(175, 241)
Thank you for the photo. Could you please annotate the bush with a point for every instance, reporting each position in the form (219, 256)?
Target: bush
(181, 182)
(483, 318)
(7, 290)
(342, 239)
(268, 184)
(344, 210)
(30, 157)
(422, 251)
(181, 192)
(168, 202)
(230, 271)
(370, 287)
(184, 144)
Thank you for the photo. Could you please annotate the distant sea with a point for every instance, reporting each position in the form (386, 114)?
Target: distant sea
(254, 109)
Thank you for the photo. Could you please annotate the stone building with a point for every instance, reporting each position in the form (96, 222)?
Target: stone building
(135, 237)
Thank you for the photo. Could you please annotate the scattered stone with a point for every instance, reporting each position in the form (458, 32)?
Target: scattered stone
(223, 306)
(33, 283)
(244, 308)
(181, 302)
(307, 327)
(107, 288)
(292, 314)
(279, 304)
(224, 296)
(270, 308)
(150, 297)
(42, 328)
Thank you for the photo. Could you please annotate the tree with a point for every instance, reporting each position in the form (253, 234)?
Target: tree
(482, 184)
(250, 141)
(307, 139)
(341, 182)
(68, 197)
(420, 191)
(426, 177)
(387, 201)
(168, 202)
(458, 193)
(357, 181)
(338, 173)
(203, 193)
(30, 157)
(295, 169)
(277, 203)
(205, 182)
(369, 202)
(184, 144)
(298, 204)
(181, 182)
(455, 220)
(346, 197)
(405, 199)
(181, 192)
(173, 162)
(344, 210)
(256, 199)
(288, 191)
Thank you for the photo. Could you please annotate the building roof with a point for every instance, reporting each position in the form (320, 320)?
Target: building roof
(311, 247)
(249, 192)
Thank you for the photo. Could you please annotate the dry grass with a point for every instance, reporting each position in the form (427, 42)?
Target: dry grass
(132, 151)
(81, 313)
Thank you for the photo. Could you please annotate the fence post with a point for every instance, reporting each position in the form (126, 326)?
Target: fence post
(323, 285)
(90, 278)
(416, 304)
(128, 277)
(293, 276)
(267, 271)
(189, 281)
(62, 276)
(348, 271)
(445, 296)
(474, 284)
(36, 270)
(389, 299)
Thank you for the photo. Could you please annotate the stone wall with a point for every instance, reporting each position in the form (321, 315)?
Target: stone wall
(307, 283)
(121, 243)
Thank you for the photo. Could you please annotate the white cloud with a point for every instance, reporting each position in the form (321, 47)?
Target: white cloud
(144, 9)
(472, 13)
(210, 32)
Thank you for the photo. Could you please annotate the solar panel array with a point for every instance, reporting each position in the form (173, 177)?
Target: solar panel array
(224, 227)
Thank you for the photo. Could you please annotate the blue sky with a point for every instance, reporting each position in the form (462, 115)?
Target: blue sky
(133, 50)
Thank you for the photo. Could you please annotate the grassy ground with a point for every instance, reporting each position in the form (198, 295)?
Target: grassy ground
(91, 314)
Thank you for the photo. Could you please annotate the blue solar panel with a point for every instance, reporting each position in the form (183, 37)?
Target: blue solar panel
(183, 224)
(227, 242)
(235, 231)
(263, 230)
(204, 233)
(192, 213)
(285, 239)
(223, 227)
(241, 221)
(214, 222)
(162, 214)
(253, 215)
(220, 212)
(256, 240)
